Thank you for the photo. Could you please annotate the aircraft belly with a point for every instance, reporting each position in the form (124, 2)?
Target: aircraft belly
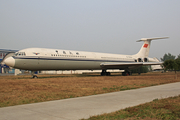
(67, 65)
(35, 64)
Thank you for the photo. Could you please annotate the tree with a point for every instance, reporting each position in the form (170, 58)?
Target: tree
(172, 65)
(169, 64)
(177, 61)
(178, 57)
(168, 57)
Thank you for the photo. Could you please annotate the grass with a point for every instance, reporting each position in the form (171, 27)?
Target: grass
(16, 90)
(163, 109)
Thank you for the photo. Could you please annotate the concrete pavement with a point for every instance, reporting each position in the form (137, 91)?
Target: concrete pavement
(84, 107)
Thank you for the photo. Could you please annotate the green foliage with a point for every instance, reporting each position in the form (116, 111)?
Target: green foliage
(168, 57)
(142, 69)
(178, 57)
(169, 64)
(177, 61)
(155, 99)
(172, 64)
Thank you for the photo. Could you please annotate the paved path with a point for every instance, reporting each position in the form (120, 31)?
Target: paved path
(83, 107)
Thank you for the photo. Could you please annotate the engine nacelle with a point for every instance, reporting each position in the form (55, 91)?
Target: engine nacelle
(140, 60)
(146, 60)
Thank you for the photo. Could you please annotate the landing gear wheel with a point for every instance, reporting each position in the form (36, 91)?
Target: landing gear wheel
(126, 73)
(34, 76)
(104, 73)
(108, 73)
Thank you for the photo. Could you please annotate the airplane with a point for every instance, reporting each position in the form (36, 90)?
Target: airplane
(37, 59)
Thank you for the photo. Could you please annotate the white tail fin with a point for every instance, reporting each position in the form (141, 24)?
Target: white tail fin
(144, 51)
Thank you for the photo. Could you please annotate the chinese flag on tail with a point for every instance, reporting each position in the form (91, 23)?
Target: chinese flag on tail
(145, 45)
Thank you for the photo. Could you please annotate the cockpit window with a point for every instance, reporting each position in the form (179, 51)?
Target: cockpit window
(16, 53)
(20, 54)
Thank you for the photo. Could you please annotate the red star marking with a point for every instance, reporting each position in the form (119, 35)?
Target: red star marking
(145, 45)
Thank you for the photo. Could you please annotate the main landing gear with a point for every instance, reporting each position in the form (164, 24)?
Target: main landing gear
(104, 73)
(126, 73)
(33, 74)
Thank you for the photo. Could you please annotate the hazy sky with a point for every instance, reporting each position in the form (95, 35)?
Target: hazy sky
(110, 26)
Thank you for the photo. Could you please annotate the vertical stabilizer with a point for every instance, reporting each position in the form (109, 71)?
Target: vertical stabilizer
(144, 51)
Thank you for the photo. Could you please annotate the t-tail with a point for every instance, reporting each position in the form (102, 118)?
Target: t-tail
(143, 53)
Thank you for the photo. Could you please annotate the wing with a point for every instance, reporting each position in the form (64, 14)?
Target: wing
(125, 65)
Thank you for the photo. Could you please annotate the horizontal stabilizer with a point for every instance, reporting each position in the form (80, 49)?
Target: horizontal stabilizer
(144, 39)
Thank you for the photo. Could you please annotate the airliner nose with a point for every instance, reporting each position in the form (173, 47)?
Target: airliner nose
(9, 61)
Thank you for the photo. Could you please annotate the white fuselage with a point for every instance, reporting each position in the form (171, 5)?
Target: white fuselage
(55, 59)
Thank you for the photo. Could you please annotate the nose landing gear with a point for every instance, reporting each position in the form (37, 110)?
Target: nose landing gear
(33, 74)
